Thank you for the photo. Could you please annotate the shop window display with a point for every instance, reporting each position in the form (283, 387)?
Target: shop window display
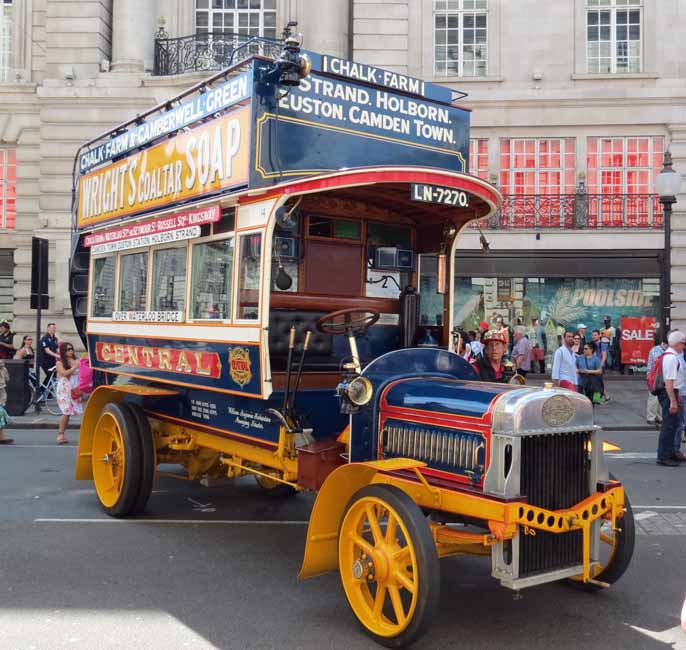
(559, 303)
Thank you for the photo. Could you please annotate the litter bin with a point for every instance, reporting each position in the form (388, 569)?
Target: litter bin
(18, 389)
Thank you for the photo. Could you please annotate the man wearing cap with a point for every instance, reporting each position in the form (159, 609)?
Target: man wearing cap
(490, 365)
(564, 364)
(581, 331)
(668, 452)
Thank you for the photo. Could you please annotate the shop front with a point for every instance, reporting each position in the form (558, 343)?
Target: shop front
(563, 290)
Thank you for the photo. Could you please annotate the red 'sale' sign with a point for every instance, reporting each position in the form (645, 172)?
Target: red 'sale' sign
(638, 337)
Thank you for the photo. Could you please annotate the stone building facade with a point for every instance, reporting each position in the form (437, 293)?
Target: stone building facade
(573, 103)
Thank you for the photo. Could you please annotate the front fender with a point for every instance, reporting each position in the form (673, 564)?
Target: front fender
(100, 397)
(321, 546)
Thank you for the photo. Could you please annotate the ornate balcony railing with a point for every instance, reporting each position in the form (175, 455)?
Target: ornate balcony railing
(208, 51)
(577, 211)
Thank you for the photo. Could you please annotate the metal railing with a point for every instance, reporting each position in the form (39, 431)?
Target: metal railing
(208, 51)
(577, 211)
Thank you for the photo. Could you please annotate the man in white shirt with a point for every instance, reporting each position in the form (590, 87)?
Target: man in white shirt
(668, 452)
(564, 364)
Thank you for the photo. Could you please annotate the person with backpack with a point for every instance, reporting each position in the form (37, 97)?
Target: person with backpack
(652, 405)
(667, 380)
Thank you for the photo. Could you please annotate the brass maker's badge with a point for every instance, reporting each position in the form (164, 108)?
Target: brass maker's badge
(239, 366)
(557, 411)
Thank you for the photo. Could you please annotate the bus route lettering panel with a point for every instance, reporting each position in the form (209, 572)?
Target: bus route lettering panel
(324, 123)
(226, 367)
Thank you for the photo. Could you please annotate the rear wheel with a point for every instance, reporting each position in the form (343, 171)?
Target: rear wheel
(117, 460)
(388, 565)
(275, 488)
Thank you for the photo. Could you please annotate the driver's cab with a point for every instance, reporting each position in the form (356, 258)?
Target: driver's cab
(366, 270)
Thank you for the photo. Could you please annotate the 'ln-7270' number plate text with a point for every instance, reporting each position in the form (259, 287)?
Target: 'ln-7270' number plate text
(438, 194)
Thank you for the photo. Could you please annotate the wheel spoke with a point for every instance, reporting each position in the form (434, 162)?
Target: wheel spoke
(379, 599)
(391, 527)
(405, 580)
(397, 604)
(403, 556)
(362, 543)
(374, 524)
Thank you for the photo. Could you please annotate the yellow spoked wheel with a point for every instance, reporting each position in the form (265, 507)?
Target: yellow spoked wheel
(116, 460)
(388, 564)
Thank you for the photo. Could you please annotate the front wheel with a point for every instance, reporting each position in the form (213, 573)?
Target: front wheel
(388, 564)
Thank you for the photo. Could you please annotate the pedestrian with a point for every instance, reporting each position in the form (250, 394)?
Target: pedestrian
(540, 344)
(652, 404)
(668, 453)
(490, 365)
(522, 353)
(47, 356)
(588, 367)
(26, 349)
(577, 346)
(475, 344)
(68, 391)
(6, 341)
(4, 418)
(564, 364)
(581, 331)
(610, 333)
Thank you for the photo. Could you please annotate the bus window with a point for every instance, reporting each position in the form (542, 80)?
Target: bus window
(169, 279)
(249, 277)
(211, 282)
(133, 280)
(103, 287)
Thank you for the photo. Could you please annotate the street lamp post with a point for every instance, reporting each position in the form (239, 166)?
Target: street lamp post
(667, 184)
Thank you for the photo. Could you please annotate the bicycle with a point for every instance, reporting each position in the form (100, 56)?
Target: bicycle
(48, 397)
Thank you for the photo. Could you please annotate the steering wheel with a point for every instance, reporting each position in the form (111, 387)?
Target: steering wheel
(348, 321)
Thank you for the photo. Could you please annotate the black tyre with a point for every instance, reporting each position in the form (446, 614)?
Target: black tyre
(148, 458)
(388, 565)
(117, 460)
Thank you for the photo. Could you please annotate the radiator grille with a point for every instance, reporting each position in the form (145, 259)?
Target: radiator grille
(450, 450)
(554, 474)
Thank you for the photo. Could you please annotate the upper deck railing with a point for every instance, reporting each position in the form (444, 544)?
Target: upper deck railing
(208, 51)
(580, 211)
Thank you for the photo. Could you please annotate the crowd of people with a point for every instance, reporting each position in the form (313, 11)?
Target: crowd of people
(55, 357)
(498, 351)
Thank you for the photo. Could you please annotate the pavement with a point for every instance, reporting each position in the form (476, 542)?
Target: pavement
(625, 411)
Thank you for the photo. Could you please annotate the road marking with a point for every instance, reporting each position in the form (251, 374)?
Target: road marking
(52, 446)
(658, 507)
(225, 522)
(644, 515)
(632, 455)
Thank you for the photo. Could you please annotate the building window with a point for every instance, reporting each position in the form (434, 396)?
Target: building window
(622, 171)
(537, 166)
(478, 157)
(461, 38)
(613, 36)
(8, 188)
(247, 17)
(6, 39)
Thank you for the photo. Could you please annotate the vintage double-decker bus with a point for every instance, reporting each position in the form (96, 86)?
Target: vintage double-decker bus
(254, 264)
